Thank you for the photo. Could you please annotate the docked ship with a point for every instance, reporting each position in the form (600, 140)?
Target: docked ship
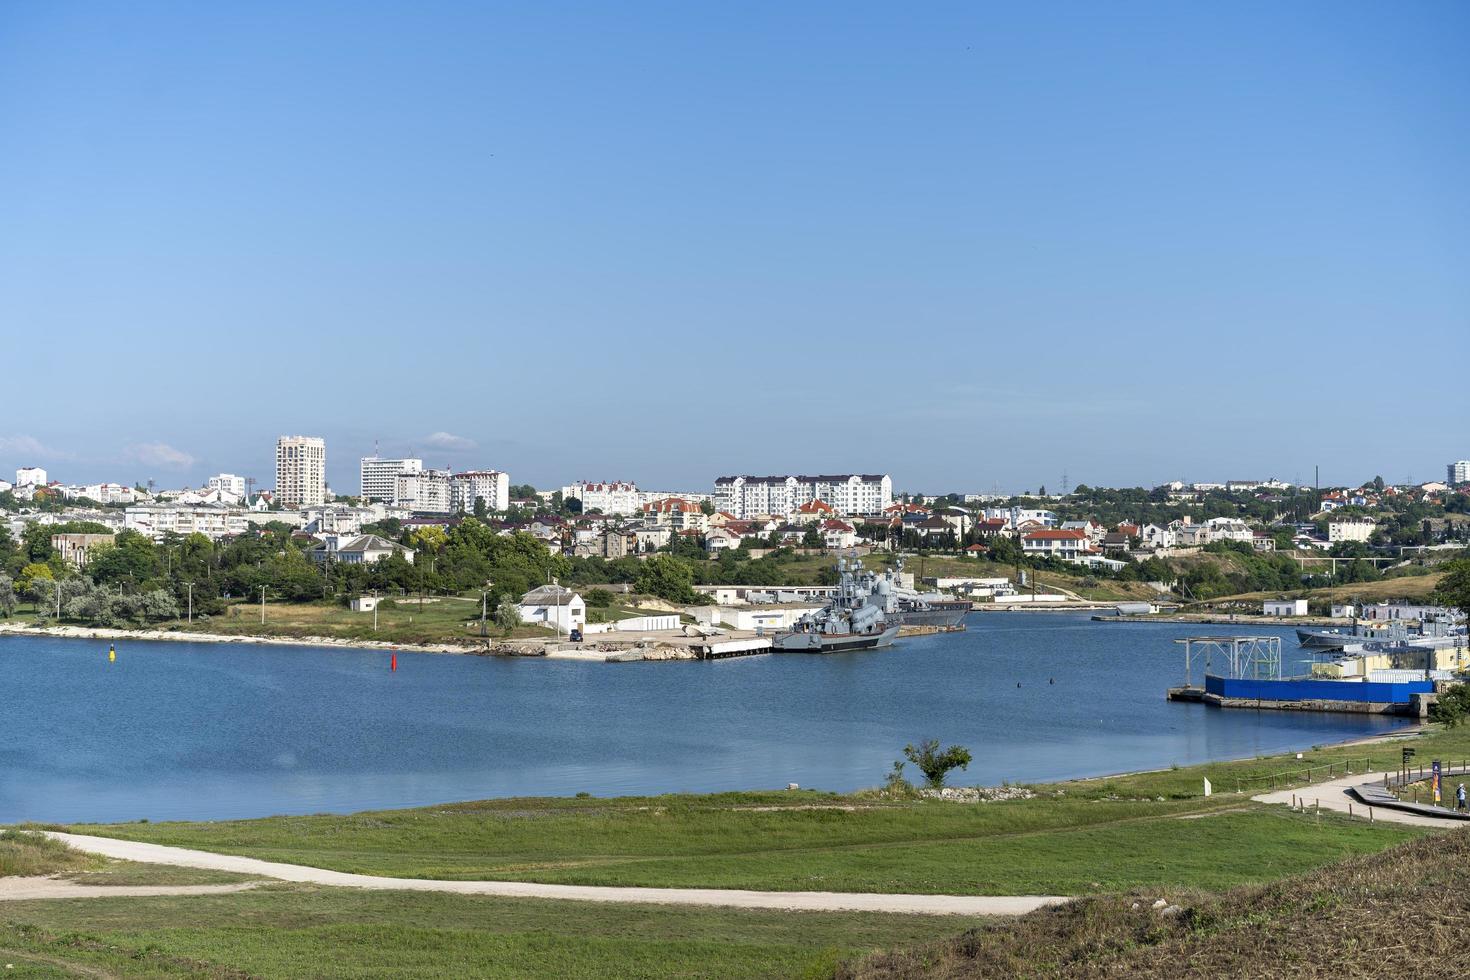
(1434, 634)
(926, 608)
(861, 616)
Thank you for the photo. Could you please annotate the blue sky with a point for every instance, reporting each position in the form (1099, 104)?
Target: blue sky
(971, 245)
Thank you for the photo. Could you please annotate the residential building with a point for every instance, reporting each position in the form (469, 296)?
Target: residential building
(1284, 607)
(301, 471)
(609, 498)
(838, 534)
(718, 539)
(814, 511)
(424, 492)
(159, 519)
(77, 548)
(1350, 529)
(229, 483)
(553, 606)
(678, 513)
(850, 494)
(30, 476)
(491, 486)
(1457, 473)
(379, 475)
(103, 493)
(361, 549)
(1055, 543)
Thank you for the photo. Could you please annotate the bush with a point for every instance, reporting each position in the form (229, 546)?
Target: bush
(936, 764)
(1452, 707)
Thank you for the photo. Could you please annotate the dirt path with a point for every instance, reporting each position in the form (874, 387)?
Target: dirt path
(725, 897)
(32, 889)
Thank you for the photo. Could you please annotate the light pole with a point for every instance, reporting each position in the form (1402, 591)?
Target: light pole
(262, 605)
(191, 602)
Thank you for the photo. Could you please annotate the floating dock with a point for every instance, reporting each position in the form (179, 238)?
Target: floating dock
(1410, 699)
(724, 649)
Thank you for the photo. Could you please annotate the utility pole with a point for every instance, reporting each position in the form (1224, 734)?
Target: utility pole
(262, 605)
(191, 602)
(375, 610)
(58, 600)
(484, 601)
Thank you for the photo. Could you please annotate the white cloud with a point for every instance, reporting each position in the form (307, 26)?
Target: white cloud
(30, 447)
(160, 454)
(446, 440)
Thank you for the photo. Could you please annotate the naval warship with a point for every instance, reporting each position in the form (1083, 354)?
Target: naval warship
(861, 616)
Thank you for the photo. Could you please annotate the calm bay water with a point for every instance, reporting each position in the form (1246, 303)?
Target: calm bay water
(209, 731)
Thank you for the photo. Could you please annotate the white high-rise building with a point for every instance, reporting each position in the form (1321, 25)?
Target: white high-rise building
(1459, 472)
(30, 476)
(852, 494)
(424, 492)
(380, 475)
(229, 483)
(491, 486)
(606, 498)
(301, 471)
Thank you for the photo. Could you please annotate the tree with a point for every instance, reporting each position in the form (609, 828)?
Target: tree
(7, 596)
(668, 578)
(936, 764)
(507, 615)
(1454, 588)
(1452, 706)
(707, 508)
(812, 538)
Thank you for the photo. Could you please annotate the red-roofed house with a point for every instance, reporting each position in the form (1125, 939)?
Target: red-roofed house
(838, 534)
(677, 513)
(813, 511)
(1055, 543)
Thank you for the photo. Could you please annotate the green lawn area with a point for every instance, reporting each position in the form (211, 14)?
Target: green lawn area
(1072, 838)
(296, 931)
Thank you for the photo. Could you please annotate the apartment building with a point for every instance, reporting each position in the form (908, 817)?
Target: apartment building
(301, 471)
(228, 483)
(491, 486)
(1456, 473)
(609, 498)
(424, 492)
(851, 494)
(379, 475)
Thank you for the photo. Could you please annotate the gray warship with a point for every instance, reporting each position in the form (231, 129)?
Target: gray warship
(926, 608)
(861, 616)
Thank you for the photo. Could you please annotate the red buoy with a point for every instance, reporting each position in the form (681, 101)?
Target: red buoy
(394, 664)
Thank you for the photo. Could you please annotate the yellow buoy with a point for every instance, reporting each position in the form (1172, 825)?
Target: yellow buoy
(111, 653)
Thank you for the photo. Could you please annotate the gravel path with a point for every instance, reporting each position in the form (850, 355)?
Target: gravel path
(727, 897)
(28, 889)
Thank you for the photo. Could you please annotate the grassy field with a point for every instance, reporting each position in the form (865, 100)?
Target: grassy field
(1414, 587)
(297, 931)
(1402, 910)
(1071, 838)
(1139, 836)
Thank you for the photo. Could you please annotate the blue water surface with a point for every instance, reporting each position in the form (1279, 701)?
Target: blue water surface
(207, 731)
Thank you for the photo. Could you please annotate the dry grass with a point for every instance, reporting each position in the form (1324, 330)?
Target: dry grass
(1362, 917)
(23, 852)
(1404, 587)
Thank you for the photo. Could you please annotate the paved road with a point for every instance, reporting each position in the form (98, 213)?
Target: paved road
(31, 889)
(1333, 795)
(728, 897)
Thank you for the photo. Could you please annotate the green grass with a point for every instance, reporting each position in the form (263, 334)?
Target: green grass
(1073, 838)
(293, 931)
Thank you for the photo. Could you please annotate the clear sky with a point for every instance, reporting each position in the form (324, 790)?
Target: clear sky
(971, 245)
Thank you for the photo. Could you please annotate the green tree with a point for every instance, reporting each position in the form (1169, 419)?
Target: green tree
(7, 596)
(934, 763)
(507, 615)
(1454, 588)
(668, 578)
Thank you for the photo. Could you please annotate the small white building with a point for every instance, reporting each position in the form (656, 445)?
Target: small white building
(1284, 607)
(362, 549)
(554, 607)
(1350, 529)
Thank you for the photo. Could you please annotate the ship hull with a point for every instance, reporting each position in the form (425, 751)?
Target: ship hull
(945, 617)
(833, 643)
(1323, 640)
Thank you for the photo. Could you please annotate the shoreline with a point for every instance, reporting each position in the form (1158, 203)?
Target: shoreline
(186, 636)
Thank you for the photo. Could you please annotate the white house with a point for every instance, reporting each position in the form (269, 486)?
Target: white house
(838, 534)
(1284, 607)
(555, 607)
(1055, 543)
(363, 549)
(30, 476)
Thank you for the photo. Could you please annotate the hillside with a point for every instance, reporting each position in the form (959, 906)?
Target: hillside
(1361, 917)
(1409, 587)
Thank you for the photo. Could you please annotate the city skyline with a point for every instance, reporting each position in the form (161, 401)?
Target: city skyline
(970, 247)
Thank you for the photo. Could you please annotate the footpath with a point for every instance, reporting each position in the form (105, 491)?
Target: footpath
(723, 897)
